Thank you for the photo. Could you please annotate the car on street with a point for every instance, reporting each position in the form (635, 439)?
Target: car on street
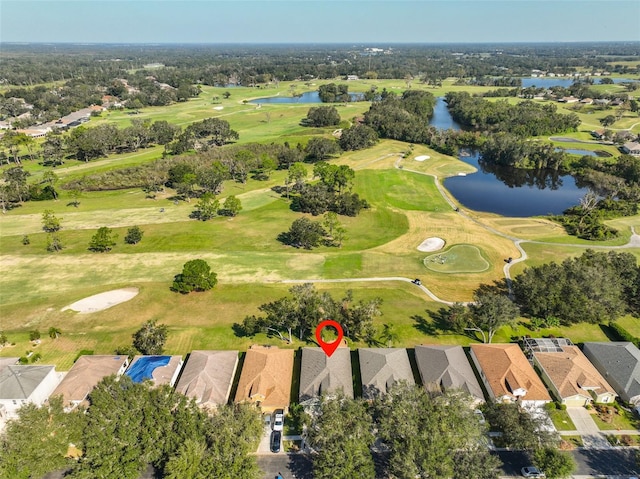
(278, 420)
(276, 438)
(417, 282)
(532, 471)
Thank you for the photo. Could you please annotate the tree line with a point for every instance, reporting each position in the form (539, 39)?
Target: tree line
(593, 288)
(525, 118)
(222, 65)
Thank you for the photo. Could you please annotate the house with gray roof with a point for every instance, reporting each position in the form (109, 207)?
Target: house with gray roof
(619, 363)
(321, 374)
(445, 367)
(20, 385)
(207, 377)
(381, 368)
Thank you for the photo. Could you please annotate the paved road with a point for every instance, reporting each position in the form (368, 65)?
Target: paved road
(590, 463)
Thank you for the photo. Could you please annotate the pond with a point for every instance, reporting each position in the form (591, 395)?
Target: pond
(308, 97)
(548, 82)
(574, 151)
(514, 191)
(508, 191)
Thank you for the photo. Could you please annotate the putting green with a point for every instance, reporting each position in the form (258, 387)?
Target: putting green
(460, 258)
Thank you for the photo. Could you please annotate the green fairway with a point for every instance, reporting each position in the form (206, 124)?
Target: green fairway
(460, 258)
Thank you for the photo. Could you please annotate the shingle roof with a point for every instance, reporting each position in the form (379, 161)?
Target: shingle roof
(85, 374)
(19, 382)
(321, 374)
(506, 369)
(8, 362)
(380, 368)
(266, 377)
(447, 367)
(208, 375)
(161, 374)
(619, 363)
(571, 372)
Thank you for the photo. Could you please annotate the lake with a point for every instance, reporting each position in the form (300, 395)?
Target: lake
(514, 191)
(508, 191)
(548, 82)
(308, 97)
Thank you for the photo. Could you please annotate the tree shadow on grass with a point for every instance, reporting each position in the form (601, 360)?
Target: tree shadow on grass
(425, 326)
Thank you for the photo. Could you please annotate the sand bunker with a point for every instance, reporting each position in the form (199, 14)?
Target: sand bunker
(431, 244)
(422, 157)
(101, 301)
(218, 108)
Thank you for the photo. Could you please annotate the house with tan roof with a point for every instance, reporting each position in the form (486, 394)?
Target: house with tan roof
(157, 369)
(507, 374)
(572, 379)
(381, 368)
(446, 367)
(207, 377)
(325, 375)
(85, 374)
(28, 384)
(266, 378)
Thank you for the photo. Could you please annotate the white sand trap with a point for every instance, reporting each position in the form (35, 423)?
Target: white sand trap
(422, 158)
(218, 108)
(431, 244)
(101, 301)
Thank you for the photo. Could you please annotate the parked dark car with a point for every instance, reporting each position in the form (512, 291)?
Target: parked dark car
(276, 438)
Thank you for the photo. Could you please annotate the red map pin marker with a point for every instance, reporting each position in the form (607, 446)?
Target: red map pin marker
(329, 348)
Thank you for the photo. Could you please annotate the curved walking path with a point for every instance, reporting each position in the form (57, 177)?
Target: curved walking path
(375, 279)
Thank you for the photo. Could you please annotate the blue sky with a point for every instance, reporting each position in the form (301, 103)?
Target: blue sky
(318, 21)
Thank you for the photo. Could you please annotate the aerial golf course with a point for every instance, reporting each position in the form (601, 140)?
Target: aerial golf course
(408, 205)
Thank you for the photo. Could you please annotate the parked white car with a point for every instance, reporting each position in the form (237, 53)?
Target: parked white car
(531, 471)
(278, 420)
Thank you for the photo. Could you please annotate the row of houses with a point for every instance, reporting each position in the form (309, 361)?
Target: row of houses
(507, 372)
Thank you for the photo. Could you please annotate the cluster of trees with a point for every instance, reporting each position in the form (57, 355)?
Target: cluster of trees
(126, 427)
(594, 288)
(426, 435)
(404, 118)
(331, 193)
(525, 118)
(102, 241)
(508, 149)
(614, 191)
(321, 116)
(308, 234)
(332, 93)
(300, 313)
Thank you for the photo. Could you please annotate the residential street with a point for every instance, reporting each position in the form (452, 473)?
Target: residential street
(591, 462)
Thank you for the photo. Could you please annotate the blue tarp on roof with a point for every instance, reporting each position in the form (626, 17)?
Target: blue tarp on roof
(143, 368)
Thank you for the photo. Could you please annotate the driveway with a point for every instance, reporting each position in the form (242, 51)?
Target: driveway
(592, 438)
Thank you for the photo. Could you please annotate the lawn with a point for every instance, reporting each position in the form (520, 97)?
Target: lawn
(621, 420)
(561, 420)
